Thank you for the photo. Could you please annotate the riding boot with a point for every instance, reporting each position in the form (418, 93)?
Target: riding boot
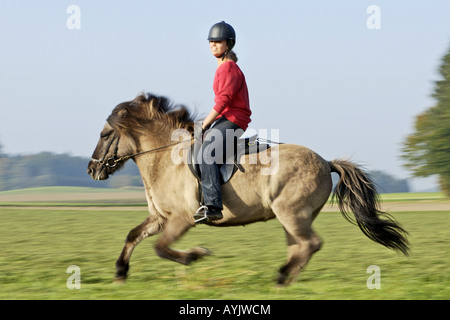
(211, 214)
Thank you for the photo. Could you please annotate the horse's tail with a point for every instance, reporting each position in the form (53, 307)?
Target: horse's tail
(356, 192)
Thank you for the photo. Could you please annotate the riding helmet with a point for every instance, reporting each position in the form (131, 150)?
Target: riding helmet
(223, 31)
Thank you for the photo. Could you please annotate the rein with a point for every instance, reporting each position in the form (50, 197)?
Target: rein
(112, 161)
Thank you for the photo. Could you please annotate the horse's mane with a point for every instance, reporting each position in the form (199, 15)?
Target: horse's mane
(148, 107)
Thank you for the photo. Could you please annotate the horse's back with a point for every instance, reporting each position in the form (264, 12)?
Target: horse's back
(292, 174)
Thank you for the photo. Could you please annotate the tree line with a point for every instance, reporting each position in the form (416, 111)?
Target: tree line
(49, 169)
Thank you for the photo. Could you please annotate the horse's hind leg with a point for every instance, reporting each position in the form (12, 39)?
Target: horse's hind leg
(299, 253)
(302, 241)
(152, 225)
(175, 228)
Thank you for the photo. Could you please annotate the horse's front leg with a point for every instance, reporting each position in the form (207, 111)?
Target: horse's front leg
(175, 227)
(152, 225)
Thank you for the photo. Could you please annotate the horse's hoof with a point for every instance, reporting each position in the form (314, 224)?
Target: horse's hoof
(119, 280)
(281, 281)
(195, 254)
(203, 251)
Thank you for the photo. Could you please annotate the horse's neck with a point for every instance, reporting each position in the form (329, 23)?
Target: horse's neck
(160, 173)
(153, 164)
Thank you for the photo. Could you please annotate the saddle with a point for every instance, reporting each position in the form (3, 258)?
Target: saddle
(229, 167)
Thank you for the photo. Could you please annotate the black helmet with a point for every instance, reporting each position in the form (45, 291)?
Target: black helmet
(223, 31)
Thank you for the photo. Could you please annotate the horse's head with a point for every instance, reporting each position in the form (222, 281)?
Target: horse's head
(149, 116)
(111, 151)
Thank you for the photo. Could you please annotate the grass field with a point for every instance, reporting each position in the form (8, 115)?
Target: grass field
(38, 244)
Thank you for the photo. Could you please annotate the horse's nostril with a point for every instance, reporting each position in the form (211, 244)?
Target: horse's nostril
(89, 171)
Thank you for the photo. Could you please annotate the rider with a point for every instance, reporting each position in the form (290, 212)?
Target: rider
(231, 112)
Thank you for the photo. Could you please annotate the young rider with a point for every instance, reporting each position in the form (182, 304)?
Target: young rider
(231, 112)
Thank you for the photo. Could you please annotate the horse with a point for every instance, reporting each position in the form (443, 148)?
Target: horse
(295, 192)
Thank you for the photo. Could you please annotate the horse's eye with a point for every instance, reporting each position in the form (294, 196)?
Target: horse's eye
(105, 135)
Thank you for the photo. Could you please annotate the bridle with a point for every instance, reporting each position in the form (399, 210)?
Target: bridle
(114, 160)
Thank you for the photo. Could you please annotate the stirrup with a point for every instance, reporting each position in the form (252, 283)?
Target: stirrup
(199, 210)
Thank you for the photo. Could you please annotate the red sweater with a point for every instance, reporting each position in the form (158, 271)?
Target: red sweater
(231, 93)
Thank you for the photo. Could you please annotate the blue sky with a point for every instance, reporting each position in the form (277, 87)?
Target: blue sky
(315, 71)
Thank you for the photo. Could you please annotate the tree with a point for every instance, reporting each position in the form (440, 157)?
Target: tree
(385, 183)
(388, 184)
(427, 149)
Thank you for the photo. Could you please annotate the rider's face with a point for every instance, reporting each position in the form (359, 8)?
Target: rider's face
(218, 47)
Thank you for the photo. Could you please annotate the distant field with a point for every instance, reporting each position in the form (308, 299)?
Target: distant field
(413, 196)
(39, 244)
(60, 190)
(73, 196)
(79, 196)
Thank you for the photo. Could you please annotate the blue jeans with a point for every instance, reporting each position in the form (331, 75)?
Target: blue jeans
(218, 142)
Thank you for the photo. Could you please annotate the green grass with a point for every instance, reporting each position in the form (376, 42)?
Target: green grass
(38, 245)
(414, 196)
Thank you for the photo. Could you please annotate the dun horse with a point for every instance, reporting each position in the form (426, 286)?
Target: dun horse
(295, 193)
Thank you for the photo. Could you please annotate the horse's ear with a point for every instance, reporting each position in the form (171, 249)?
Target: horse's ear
(123, 113)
